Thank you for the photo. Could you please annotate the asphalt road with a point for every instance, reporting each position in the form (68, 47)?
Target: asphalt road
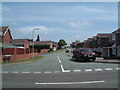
(57, 70)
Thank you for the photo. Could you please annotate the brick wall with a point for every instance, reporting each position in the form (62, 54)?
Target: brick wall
(0, 54)
(44, 50)
(7, 38)
(26, 44)
(0, 58)
(18, 57)
(11, 51)
(8, 51)
(21, 54)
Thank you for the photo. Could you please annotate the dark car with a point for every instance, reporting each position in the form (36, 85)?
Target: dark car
(83, 54)
(67, 51)
(97, 53)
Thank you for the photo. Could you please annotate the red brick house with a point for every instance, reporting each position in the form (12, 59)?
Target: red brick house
(102, 39)
(55, 45)
(112, 49)
(74, 44)
(20, 43)
(9, 50)
(89, 42)
(85, 45)
(5, 34)
(94, 42)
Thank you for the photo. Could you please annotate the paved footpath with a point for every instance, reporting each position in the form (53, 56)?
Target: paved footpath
(107, 60)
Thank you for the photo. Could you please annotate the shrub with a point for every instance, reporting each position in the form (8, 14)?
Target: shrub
(39, 47)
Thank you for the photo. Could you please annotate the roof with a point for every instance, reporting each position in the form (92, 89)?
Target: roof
(117, 31)
(42, 42)
(103, 35)
(6, 45)
(94, 37)
(55, 43)
(110, 44)
(20, 41)
(89, 39)
(3, 30)
(74, 43)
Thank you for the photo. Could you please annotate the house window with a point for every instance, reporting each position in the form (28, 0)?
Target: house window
(113, 36)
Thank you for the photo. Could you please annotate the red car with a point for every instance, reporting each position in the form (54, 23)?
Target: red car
(83, 54)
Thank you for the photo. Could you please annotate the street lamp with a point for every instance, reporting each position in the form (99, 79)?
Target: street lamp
(33, 41)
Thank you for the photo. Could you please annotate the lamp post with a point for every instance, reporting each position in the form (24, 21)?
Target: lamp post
(33, 41)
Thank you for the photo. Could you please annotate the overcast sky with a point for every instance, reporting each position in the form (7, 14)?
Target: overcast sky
(69, 21)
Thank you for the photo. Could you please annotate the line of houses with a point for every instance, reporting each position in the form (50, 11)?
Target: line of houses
(106, 43)
(20, 49)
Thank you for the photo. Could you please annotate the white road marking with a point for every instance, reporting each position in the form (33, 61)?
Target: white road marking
(108, 69)
(67, 71)
(77, 70)
(4, 72)
(98, 69)
(25, 72)
(36, 72)
(62, 68)
(88, 70)
(48, 72)
(57, 71)
(59, 83)
(14, 72)
(59, 61)
(117, 68)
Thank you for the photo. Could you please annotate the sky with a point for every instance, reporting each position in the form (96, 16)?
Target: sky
(60, 20)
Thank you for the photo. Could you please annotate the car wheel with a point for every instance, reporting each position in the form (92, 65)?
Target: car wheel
(94, 58)
(74, 58)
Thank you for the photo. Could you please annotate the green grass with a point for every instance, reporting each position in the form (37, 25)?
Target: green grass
(31, 59)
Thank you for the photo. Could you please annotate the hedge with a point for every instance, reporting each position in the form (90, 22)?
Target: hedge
(39, 47)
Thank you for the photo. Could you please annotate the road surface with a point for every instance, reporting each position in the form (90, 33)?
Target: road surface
(58, 70)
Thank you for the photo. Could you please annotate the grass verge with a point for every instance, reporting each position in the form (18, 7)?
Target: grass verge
(31, 59)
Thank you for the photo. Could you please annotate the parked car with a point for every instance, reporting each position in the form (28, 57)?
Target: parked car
(67, 51)
(97, 53)
(83, 54)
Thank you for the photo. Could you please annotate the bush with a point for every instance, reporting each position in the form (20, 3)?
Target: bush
(39, 47)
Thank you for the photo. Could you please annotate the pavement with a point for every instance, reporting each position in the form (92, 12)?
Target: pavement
(107, 60)
(57, 70)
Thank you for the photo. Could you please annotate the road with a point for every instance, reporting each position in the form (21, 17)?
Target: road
(57, 70)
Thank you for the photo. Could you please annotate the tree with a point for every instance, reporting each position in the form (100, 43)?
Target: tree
(38, 38)
(62, 43)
